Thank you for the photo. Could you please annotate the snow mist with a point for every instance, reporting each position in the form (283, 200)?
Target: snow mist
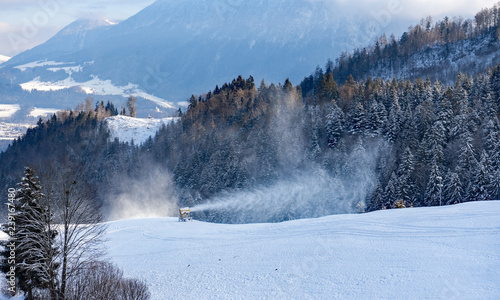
(151, 195)
(307, 194)
(304, 188)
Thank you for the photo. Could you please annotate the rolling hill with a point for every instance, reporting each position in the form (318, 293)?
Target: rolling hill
(441, 252)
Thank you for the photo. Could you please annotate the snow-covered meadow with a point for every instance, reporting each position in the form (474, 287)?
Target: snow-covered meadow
(450, 252)
(127, 129)
(7, 110)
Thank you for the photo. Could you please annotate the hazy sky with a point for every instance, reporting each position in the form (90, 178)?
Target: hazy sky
(27, 23)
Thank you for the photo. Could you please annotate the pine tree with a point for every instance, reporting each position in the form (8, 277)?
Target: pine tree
(460, 101)
(376, 119)
(491, 141)
(467, 163)
(425, 116)
(495, 82)
(494, 186)
(327, 89)
(34, 238)
(315, 147)
(391, 194)
(334, 126)
(453, 191)
(377, 198)
(393, 126)
(435, 142)
(407, 187)
(434, 186)
(445, 115)
(481, 180)
(357, 120)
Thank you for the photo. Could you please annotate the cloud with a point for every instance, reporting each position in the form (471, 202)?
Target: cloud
(50, 16)
(14, 12)
(413, 9)
(4, 27)
(465, 8)
(13, 39)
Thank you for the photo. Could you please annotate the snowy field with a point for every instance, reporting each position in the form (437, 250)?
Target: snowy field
(448, 252)
(4, 58)
(95, 86)
(42, 112)
(11, 131)
(8, 110)
(127, 129)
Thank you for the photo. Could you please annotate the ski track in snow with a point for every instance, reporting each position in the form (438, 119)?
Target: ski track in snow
(414, 253)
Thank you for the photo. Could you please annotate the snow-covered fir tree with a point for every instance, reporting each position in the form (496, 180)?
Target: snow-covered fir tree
(453, 191)
(35, 260)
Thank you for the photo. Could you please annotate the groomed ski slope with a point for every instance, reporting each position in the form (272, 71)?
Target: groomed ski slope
(448, 252)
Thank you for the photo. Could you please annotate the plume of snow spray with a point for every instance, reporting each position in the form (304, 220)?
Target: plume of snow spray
(308, 194)
(150, 195)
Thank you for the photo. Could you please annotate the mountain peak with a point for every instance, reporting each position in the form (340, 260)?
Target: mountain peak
(172, 49)
(86, 24)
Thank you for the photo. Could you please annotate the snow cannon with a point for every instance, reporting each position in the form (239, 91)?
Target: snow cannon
(184, 214)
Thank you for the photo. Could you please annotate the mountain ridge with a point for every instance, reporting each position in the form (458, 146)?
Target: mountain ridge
(174, 49)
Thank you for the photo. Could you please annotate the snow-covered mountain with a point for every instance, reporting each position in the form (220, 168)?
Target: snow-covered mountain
(173, 49)
(4, 58)
(450, 252)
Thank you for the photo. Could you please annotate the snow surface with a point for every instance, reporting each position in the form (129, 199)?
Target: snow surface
(111, 22)
(68, 70)
(42, 112)
(11, 131)
(40, 63)
(4, 58)
(94, 86)
(127, 129)
(7, 110)
(448, 252)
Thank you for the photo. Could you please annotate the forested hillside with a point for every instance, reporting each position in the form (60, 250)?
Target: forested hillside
(366, 145)
(278, 152)
(438, 50)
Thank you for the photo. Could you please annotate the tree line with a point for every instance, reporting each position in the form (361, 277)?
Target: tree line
(391, 54)
(435, 143)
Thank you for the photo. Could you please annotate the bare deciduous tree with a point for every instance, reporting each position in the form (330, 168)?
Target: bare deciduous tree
(104, 281)
(81, 232)
(78, 220)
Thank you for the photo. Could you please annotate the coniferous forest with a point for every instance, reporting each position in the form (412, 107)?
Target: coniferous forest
(402, 143)
(344, 145)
